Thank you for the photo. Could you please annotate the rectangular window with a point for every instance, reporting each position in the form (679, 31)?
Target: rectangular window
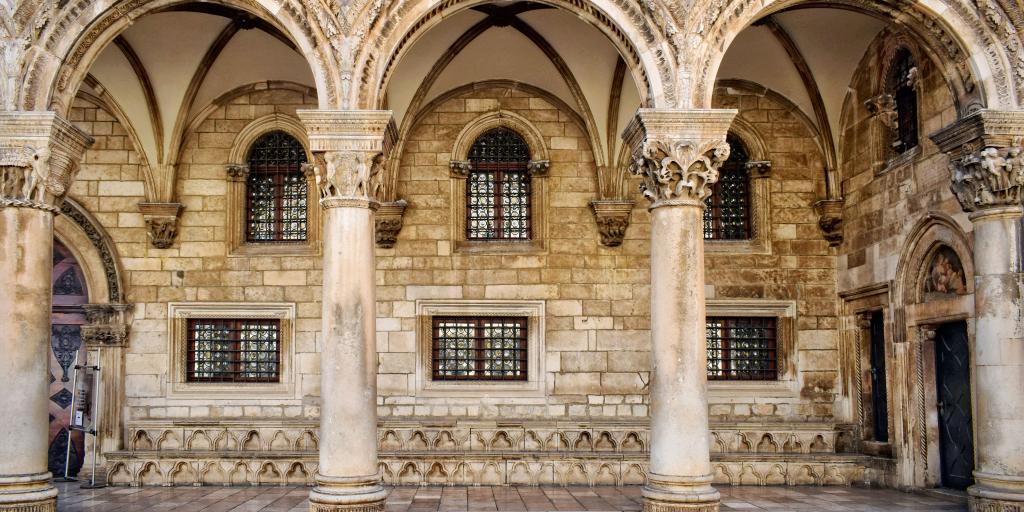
(479, 348)
(498, 203)
(742, 348)
(233, 350)
(276, 204)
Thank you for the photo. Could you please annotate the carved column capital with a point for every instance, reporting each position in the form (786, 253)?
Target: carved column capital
(388, 223)
(677, 153)
(537, 168)
(161, 222)
(350, 149)
(108, 325)
(830, 220)
(883, 109)
(40, 153)
(986, 159)
(238, 172)
(926, 333)
(612, 218)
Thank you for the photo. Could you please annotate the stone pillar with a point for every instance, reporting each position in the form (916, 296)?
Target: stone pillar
(39, 155)
(677, 154)
(348, 147)
(987, 171)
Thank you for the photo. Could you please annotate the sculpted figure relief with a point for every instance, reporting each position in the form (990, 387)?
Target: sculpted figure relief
(348, 175)
(988, 177)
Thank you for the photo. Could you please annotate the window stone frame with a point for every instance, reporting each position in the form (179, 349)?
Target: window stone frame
(535, 384)
(759, 188)
(237, 172)
(787, 384)
(537, 169)
(178, 314)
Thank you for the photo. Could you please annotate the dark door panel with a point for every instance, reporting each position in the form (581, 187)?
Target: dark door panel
(953, 383)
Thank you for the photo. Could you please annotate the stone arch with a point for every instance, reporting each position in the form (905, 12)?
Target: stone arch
(499, 119)
(81, 233)
(269, 123)
(946, 28)
(650, 51)
(73, 42)
(934, 231)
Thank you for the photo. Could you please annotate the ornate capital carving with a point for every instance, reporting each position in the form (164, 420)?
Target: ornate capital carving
(830, 220)
(986, 159)
(350, 149)
(389, 222)
(612, 218)
(883, 109)
(863, 320)
(237, 172)
(40, 154)
(161, 222)
(925, 333)
(108, 325)
(677, 153)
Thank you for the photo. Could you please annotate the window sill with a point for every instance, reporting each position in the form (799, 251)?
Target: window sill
(499, 247)
(728, 391)
(306, 248)
(752, 246)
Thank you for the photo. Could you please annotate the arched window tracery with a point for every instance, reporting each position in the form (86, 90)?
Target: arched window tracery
(901, 84)
(498, 188)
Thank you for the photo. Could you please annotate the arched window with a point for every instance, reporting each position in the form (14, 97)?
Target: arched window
(276, 190)
(498, 189)
(900, 85)
(727, 210)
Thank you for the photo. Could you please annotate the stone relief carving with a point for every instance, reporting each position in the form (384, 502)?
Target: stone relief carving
(39, 155)
(945, 274)
(350, 149)
(612, 218)
(389, 223)
(108, 324)
(161, 222)
(988, 177)
(347, 174)
(106, 251)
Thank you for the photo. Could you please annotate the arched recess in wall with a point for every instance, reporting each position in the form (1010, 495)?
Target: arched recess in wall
(934, 284)
(78, 40)
(979, 79)
(94, 250)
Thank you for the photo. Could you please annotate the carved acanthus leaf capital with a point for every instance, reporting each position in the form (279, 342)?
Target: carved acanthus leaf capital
(161, 222)
(40, 155)
(677, 153)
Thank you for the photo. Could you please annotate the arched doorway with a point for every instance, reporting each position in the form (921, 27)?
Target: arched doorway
(69, 294)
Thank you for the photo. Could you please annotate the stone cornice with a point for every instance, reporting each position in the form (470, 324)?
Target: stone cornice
(677, 152)
(40, 153)
(985, 128)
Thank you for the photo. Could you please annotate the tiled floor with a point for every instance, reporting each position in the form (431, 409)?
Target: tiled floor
(451, 499)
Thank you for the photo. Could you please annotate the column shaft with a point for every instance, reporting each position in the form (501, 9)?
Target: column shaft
(26, 263)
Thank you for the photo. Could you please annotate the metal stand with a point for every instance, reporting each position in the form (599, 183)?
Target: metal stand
(71, 428)
(94, 428)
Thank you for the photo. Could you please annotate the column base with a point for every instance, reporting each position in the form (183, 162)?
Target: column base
(665, 493)
(356, 494)
(27, 493)
(996, 493)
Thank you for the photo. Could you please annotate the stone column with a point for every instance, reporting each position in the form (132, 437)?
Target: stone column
(39, 155)
(677, 154)
(348, 148)
(987, 171)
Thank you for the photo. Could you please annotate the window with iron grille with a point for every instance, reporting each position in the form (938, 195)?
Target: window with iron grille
(479, 348)
(742, 348)
(276, 190)
(233, 350)
(498, 188)
(900, 84)
(727, 209)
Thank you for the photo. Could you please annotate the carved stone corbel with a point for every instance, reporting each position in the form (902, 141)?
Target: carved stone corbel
(108, 325)
(830, 220)
(237, 172)
(986, 159)
(39, 158)
(389, 223)
(612, 218)
(677, 153)
(460, 168)
(759, 169)
(161, 222)
(537, 168)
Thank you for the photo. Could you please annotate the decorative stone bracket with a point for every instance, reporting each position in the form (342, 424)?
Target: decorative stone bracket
(612, 217)
(237, 172)
(389, 222)
(986, 159)
(161, 222)
(759, 168)
(830, 220)
(677, 153)
(40, 154)
(108, 325)
(462, 168)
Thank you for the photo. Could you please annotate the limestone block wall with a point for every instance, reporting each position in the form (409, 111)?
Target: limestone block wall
(596, 310)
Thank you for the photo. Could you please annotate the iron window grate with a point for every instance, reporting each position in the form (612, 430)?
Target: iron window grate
(276, 190)
(900, 85)
(498, 189)
(727, 209)
(233, 350)
(742, 348)
(479, 348)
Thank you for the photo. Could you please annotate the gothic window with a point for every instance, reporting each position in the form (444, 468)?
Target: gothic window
(900, 85)
(742, 348)
(727, 210)
(479, 348)
(498, 188)
(276, 190)
(233, 350)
